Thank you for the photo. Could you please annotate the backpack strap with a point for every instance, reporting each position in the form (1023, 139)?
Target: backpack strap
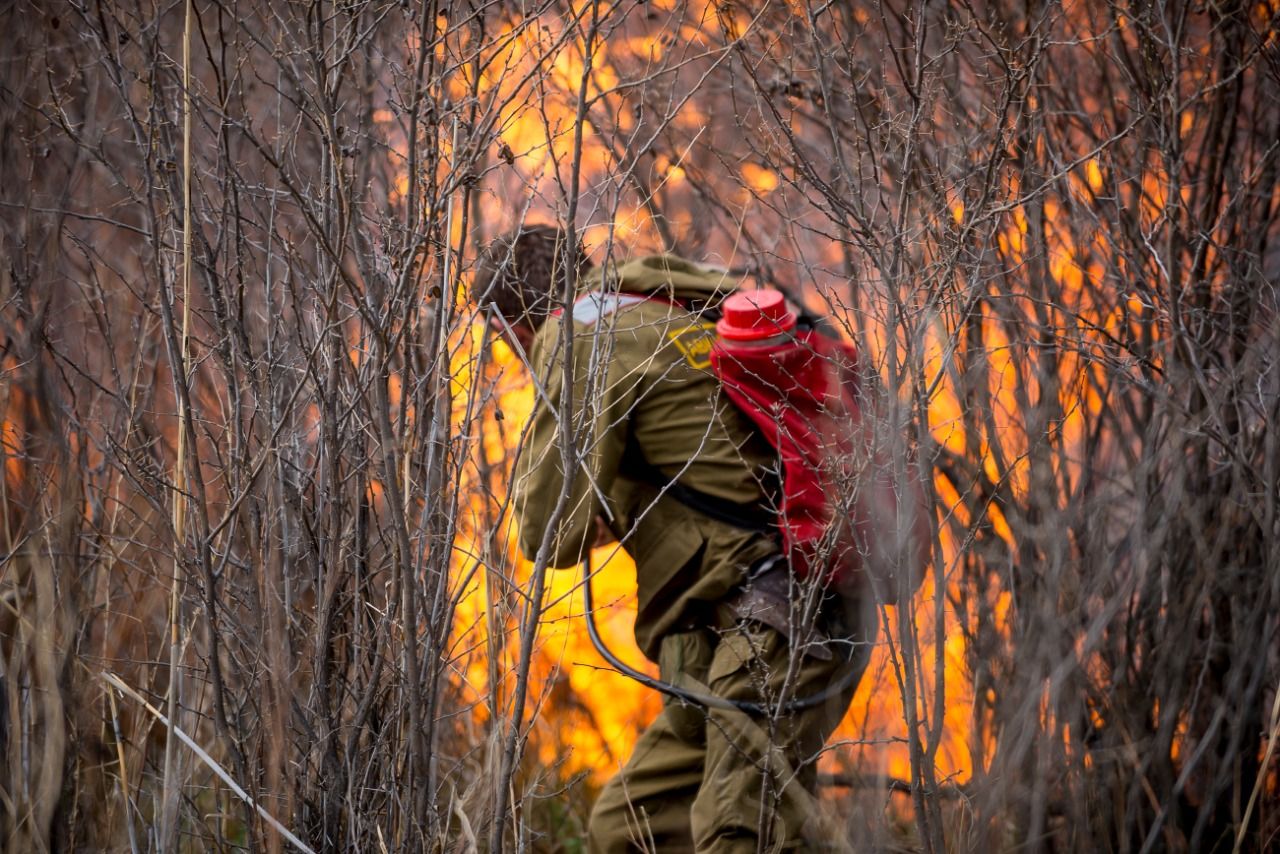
(593, 306)
(751, 516)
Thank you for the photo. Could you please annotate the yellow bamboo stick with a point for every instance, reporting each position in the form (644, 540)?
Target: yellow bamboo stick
(169, 810)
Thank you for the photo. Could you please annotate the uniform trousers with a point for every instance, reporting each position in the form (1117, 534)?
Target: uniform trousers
(712, 781)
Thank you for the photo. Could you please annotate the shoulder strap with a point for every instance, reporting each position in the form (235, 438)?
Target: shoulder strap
(750, 517)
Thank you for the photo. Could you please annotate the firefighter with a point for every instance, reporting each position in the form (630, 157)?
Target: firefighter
(717, 609)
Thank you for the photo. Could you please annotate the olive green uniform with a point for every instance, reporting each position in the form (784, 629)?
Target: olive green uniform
(640, 387)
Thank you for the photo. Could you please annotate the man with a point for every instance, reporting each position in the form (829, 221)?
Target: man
(717, 608)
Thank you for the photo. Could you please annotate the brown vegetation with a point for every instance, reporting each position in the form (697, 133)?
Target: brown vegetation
(1053, 229)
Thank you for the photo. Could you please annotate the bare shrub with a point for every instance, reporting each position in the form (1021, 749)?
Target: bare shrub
(1051, 229)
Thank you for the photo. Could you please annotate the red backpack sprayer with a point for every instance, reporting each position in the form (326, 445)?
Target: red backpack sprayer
(798, 384)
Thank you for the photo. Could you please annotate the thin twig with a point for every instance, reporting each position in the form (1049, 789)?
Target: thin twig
(119, 684)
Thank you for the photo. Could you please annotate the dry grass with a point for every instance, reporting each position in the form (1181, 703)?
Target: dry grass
(1052, 230)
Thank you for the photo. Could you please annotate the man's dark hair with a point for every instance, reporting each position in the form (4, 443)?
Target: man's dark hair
(521, 273)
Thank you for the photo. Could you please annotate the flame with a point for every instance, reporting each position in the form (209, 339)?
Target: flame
(672, 174)
(590, 717)
(593, 715)
(1093, 173)
(536, 127)
(14, 411)
(761, 180)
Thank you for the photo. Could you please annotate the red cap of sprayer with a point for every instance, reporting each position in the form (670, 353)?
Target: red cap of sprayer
(754, 316)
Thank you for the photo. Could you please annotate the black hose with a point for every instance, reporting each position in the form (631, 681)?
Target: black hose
(710, 700)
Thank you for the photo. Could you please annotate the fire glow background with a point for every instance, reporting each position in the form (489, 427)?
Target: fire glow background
(1051, 228)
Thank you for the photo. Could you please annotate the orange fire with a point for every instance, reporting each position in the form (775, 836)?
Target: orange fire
(591, 716)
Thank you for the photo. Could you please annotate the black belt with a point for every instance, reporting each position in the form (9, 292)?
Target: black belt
(752, 516)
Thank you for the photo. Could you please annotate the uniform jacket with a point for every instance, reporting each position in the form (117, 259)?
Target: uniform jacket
(640, 384)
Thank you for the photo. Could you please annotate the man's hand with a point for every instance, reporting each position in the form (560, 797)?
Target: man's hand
(604, 535)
